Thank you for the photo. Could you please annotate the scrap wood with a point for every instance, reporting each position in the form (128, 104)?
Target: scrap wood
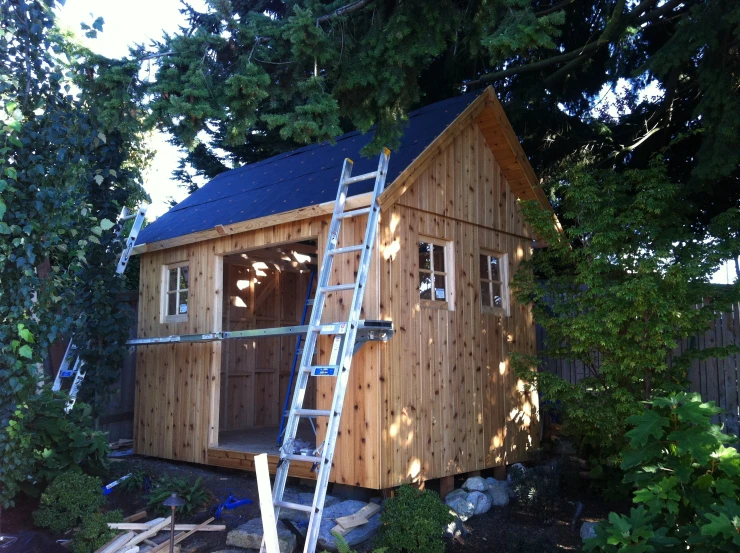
(127, 549)
(179, 527)
(149, 533)
(180, 537)
(135, 517)
(116, 543)
(347, 523)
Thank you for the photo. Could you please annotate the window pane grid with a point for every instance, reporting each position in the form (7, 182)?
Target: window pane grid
(432, 272)
(177, 291)
(492, 281)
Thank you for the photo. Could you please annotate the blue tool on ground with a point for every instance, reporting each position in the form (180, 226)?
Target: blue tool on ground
(107, 490)
(230, 503)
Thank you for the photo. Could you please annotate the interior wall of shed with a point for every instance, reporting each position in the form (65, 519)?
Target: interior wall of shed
(255, 373)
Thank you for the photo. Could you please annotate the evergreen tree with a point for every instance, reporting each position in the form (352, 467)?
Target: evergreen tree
(248, 79)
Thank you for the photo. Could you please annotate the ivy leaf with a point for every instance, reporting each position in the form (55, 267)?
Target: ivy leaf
(25, 351)
(24, 333)
(99, 179)
(2, 209)
(106, 224)
(650, 423)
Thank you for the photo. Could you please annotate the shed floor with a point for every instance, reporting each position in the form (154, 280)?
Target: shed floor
(262, 439)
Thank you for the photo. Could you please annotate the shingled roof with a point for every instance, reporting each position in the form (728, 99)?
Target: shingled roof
(303, 177)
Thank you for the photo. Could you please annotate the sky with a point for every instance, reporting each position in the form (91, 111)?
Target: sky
(128, 22)
(139, 21)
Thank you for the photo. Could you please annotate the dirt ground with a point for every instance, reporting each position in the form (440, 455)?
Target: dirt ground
(504, 530)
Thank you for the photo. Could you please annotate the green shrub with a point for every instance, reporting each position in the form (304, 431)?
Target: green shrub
(413, 522)
(41, 442)
(343, 547)
(685, 483)
(194, 494)
(70, 498)
(537, 490)
(94, 531)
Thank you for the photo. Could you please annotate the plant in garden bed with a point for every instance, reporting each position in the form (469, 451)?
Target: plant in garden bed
(685, 481)
(68, 500)
(616, 291)
(94, 531)
(413, 522)
(195, 495)
(343, 546)
(537, 490)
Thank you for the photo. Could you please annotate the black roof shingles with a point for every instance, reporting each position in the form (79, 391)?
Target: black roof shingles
(299, 178)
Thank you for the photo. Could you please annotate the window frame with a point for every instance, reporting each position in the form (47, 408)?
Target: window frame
(503, 260)
(177, 317)
(448, 274)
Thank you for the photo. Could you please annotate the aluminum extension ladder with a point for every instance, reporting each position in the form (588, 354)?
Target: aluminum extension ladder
(72, 365)
(342, 350)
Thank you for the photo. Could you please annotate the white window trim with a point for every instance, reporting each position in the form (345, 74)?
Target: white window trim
(504, 310)
(448, 274)
(179, 317)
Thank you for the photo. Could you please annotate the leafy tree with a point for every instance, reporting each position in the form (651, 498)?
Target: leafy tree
(685, 483)
(617, 291)
(69, 163)
(248, 79)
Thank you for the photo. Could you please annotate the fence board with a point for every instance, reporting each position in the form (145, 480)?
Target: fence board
(715, 379)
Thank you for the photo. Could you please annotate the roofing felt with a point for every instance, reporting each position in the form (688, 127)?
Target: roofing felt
(299, 178)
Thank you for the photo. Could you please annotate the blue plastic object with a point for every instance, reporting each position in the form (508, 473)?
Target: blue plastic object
(230, 503)
(108, 489)
(300, 178)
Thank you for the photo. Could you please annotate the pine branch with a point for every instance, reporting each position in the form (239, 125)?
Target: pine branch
(551, 9)
(349, 8)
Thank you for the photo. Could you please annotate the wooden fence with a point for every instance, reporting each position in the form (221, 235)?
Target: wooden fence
(715, 379)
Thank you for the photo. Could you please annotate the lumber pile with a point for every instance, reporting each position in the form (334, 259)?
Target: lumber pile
(121, 444)
(345, 524)
(139, 537)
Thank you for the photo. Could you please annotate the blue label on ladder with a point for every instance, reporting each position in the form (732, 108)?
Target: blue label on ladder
(66, 374)
(324, 371)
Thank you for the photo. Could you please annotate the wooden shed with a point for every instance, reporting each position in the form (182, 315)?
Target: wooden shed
(436, 399)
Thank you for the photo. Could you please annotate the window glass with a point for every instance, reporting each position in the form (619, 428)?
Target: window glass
(493, 288)
(432, 272)
(176, 300)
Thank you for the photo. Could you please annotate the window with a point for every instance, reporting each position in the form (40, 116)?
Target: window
(176, 279)
(494, 292)
(434, 266)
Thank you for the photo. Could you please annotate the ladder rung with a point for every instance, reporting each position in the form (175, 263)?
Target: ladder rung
(347, 249)
(304, 458)
(312, 412)
(329, 328)
(337, 287)
(310, 302)
(322, 370)
(353, 213)
(359, 178)
(128, 217)
(294, 506)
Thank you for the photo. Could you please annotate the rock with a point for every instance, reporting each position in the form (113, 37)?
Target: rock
(475, 484)
(303, 498)
(353, 537)
(588, 530)
(455, 528)
(249, 536)
(460, 504)
(500, 492)
(481, 502)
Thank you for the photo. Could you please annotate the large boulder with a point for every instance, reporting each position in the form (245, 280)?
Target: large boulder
(328, 521)
(481, 501)
(458, 502)
(455, 528)
(475, 484)
(499, 491)
(588, 530)
(249, 536)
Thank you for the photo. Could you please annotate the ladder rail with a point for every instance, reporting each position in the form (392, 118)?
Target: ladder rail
(71, 356)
